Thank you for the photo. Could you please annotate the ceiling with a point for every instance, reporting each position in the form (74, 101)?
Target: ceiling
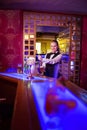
(56, 6)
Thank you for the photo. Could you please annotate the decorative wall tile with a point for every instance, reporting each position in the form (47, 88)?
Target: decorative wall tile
(11, 39)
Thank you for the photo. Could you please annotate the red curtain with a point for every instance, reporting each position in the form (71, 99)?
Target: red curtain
(11, 38)
(83, 75)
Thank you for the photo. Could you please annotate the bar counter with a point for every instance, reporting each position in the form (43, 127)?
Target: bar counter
(29, 99)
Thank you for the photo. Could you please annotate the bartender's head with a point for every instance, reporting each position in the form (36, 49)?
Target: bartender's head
(54, 46)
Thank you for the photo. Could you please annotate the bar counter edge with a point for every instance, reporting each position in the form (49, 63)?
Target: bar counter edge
(24, 114)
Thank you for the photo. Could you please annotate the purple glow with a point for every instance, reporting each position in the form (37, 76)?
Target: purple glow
(75, 119)
(19, 76)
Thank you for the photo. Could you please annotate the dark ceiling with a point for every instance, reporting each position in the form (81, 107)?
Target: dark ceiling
(57, 6)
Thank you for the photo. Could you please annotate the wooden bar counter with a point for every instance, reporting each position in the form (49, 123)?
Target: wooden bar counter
(28, 98)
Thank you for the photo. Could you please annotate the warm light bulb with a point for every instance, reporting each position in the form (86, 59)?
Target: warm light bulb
(26, 37)
(31, 36)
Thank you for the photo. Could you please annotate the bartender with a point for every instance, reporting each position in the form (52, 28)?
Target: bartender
(50, 63)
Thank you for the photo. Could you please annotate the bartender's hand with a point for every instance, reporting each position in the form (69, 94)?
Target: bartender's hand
(42, 69)
(40, 57)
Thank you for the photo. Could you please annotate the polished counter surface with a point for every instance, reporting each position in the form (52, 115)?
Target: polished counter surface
(30, 104)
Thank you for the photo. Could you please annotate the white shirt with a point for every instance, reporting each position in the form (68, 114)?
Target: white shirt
(51, 61)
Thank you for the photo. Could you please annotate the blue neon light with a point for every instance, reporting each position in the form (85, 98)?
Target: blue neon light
(19, 76)
(75, 119)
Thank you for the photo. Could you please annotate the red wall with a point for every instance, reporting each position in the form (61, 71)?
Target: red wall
(11, 38)
(83, 76)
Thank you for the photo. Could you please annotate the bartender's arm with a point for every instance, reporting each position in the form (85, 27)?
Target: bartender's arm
(56, 59)
(50, 61)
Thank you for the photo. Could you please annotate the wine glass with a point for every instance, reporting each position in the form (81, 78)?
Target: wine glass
(30, 63)
(20, 69)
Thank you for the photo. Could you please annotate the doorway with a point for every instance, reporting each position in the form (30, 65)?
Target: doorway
(45, 34)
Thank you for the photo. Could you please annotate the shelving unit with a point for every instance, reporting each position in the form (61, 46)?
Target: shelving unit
(64, 43)
(74, 69)
(31, 20)
(29, 35)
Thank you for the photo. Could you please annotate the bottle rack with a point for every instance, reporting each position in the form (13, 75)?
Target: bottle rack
(31, 20)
